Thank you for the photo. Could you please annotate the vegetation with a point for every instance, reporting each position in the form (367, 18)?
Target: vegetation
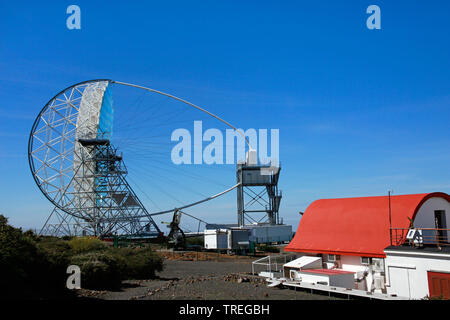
(99, 270)
(35, 267)
(86, 244)
(137, 263)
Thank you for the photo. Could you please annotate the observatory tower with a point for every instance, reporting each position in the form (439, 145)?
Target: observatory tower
(260, 184)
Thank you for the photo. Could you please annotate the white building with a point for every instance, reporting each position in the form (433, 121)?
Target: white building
(223, 236)
(368, 237)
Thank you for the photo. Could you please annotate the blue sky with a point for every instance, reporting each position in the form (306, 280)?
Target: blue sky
(359, 111)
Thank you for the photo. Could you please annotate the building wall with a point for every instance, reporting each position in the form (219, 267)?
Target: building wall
(407, 272)
(343, 281)
(425, 215)
(215, 239)
(353, 264)
(336, 280)
(311, 277)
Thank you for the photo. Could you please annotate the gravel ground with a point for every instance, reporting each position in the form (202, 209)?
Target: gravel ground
(203, 280)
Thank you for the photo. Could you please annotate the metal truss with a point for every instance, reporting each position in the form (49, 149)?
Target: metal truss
(81, 175)
(60, 224)
(258, 198)
(87, 180)
(111, 207)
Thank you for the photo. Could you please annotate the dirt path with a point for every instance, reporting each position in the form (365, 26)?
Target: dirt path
(203, 280)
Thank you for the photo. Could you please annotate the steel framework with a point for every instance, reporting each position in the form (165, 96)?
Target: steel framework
(261, 188)
(80, 172)
(76, 167)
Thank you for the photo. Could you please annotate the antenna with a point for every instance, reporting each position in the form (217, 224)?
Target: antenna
(390, 219)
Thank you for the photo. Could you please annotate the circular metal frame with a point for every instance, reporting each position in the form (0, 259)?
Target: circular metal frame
(53, 137)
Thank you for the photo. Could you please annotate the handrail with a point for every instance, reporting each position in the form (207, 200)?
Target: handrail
(438, 236)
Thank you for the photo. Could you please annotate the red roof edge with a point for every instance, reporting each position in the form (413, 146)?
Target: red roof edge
(428, 196)
(343, 253)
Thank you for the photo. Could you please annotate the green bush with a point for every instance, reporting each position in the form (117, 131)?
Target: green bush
(106, 270)
(32, 266)
(86, 244)
(55, 256)
(99, 270)
(137, 263)
(18, 257)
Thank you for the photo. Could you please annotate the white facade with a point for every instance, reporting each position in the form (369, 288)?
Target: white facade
(226, 239)
(407, 271)
(344, 279)
(425, 217)
(362, 272)
(216, 239)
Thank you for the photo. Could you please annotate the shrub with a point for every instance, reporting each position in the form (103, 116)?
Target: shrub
(137, 263)
(86, 244)
(55, 256)
(99, 270)
(35, 267)
(18, 257)
(30, 267)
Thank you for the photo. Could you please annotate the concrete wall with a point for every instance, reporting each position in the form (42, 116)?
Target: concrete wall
(343, 281)
(406, 272)
(311, 277)
(336, 280)
(353, 264)
(425, 216)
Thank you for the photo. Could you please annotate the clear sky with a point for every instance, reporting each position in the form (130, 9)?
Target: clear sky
(359, 111)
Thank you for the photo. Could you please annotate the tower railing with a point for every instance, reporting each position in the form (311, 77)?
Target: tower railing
(428, 237)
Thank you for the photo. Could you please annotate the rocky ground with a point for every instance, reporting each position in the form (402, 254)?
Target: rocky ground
(215, 277)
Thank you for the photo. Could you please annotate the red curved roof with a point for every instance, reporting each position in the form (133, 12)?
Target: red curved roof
(355, 226)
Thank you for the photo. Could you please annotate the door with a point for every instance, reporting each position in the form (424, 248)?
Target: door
(439, 284)
(399, 279)
(440, 223)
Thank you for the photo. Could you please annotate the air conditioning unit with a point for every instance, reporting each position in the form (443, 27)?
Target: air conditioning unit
(379, 282)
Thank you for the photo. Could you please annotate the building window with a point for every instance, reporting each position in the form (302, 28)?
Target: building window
(366, 260)
(333, 258)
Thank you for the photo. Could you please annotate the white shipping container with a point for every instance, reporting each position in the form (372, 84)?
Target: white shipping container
(216, 239)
